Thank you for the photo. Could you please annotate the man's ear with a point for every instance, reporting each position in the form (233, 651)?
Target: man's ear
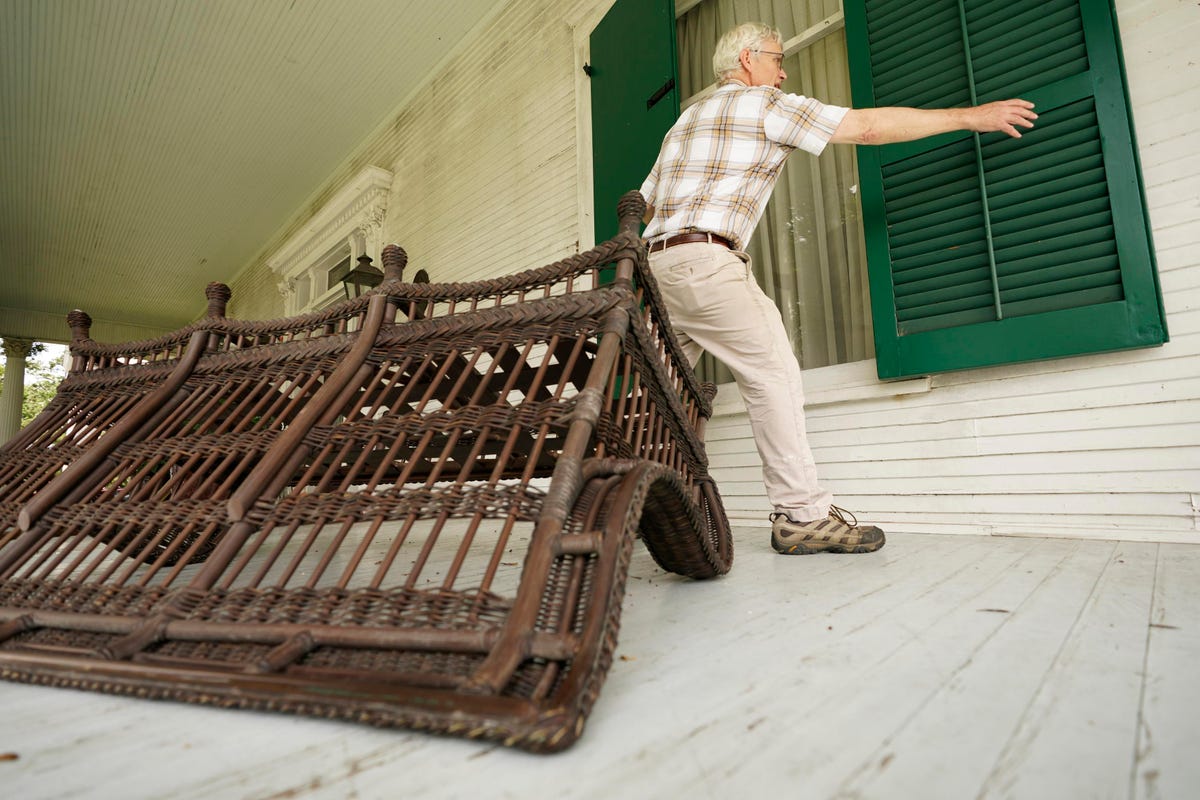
(744, 58)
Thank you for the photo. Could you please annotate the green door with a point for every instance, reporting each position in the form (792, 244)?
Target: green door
(635, 99)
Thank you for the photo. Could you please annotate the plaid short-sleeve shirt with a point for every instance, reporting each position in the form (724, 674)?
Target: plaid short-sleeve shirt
(719, 162)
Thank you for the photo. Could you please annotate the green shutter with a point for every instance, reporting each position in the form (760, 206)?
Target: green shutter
(635, 99)
(986, 249)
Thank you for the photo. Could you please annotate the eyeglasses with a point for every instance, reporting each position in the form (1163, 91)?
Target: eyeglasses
(778, 56)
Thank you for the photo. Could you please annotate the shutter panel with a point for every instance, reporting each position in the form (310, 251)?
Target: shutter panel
(986, 249)
(632, 61)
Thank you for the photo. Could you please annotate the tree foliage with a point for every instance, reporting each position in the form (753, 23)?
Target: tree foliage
(43, 372)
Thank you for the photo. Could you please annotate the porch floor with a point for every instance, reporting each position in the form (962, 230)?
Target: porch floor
(941, 666)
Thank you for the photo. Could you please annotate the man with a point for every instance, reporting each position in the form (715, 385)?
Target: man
(706, 193)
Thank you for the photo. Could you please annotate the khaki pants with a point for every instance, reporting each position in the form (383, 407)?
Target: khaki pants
(716, 305)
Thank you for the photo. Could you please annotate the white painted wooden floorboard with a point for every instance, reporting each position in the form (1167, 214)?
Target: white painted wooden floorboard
(874, 676)
(1023, 619)
(1171, 702)
(1088, 703)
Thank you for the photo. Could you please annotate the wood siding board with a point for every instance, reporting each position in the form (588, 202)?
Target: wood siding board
(1073, 487)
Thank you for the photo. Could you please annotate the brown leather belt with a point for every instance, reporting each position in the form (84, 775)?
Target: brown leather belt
(689, 238)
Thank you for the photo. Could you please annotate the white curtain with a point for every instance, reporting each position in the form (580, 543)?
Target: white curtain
(808, 251)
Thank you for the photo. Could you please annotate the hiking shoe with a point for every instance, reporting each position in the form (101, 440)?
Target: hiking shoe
(834, 534)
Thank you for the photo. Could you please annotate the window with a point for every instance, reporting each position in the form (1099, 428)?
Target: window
(953, 252)
(313, 262)
(808, 252)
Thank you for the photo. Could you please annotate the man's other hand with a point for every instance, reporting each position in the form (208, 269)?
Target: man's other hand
(1004, 116)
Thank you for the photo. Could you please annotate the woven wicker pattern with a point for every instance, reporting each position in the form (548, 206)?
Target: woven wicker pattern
(415, 508)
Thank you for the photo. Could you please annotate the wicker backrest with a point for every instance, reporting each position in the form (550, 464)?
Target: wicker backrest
(414, 509)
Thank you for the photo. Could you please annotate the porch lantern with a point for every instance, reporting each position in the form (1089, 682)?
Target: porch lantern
(362, 278)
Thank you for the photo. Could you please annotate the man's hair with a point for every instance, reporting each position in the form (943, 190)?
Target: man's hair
(748, 35)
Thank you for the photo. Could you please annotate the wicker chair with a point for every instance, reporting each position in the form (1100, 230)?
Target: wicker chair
(414, 509)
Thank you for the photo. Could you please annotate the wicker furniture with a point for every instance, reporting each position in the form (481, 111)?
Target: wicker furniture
(413, 509)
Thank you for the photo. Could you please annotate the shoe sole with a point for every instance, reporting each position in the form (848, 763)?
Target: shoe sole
(800, 549)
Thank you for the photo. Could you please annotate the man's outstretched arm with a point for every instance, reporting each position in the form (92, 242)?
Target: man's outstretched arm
(898, 124)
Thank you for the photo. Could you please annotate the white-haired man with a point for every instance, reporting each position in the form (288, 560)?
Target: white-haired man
(706, 193)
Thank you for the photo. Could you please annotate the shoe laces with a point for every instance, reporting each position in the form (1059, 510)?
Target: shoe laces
(840, 514)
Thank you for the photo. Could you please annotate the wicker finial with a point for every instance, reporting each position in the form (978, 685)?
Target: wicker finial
(218, 295)
(394, 262)
(80, 324)
(630, 209)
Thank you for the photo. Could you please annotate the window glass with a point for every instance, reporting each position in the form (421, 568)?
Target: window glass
(808, 252)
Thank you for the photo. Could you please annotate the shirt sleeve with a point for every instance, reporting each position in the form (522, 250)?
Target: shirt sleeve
(650, 184)
(797, 121)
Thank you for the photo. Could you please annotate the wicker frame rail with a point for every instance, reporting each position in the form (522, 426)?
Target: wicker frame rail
(414, 509)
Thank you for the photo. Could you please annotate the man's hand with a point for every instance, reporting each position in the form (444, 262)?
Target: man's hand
(1003, 116)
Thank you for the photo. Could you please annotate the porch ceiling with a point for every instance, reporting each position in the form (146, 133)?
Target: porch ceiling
(151, 147)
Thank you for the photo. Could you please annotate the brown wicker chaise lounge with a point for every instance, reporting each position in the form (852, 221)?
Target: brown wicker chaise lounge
(414, 509)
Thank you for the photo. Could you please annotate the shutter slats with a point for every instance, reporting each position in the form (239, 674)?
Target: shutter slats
(928, 48)
(1015, 51)
(1081, 253)
(1077, 150)
(1060, 61)
(918, 64)
(1058, 194)
(927, 80)
(953, 194)
(992, 33)
(940, 97)
(935, 232)
(947, 315)
(932, 199)
(1002, 87)
(988, 249)
(978, 278)
(1081, 171)
(1063, 302)
(1066, 126)
(1023, 52)
(886, 13)
(1051, 216)
(928, 163)
(956, 320)
(1081, 211)
(918, 184)
(963, 295)
(1033, 283)
(959, 261)
(1062, 238)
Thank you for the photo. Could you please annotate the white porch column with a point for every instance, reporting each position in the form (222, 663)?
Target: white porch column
(12, 395)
